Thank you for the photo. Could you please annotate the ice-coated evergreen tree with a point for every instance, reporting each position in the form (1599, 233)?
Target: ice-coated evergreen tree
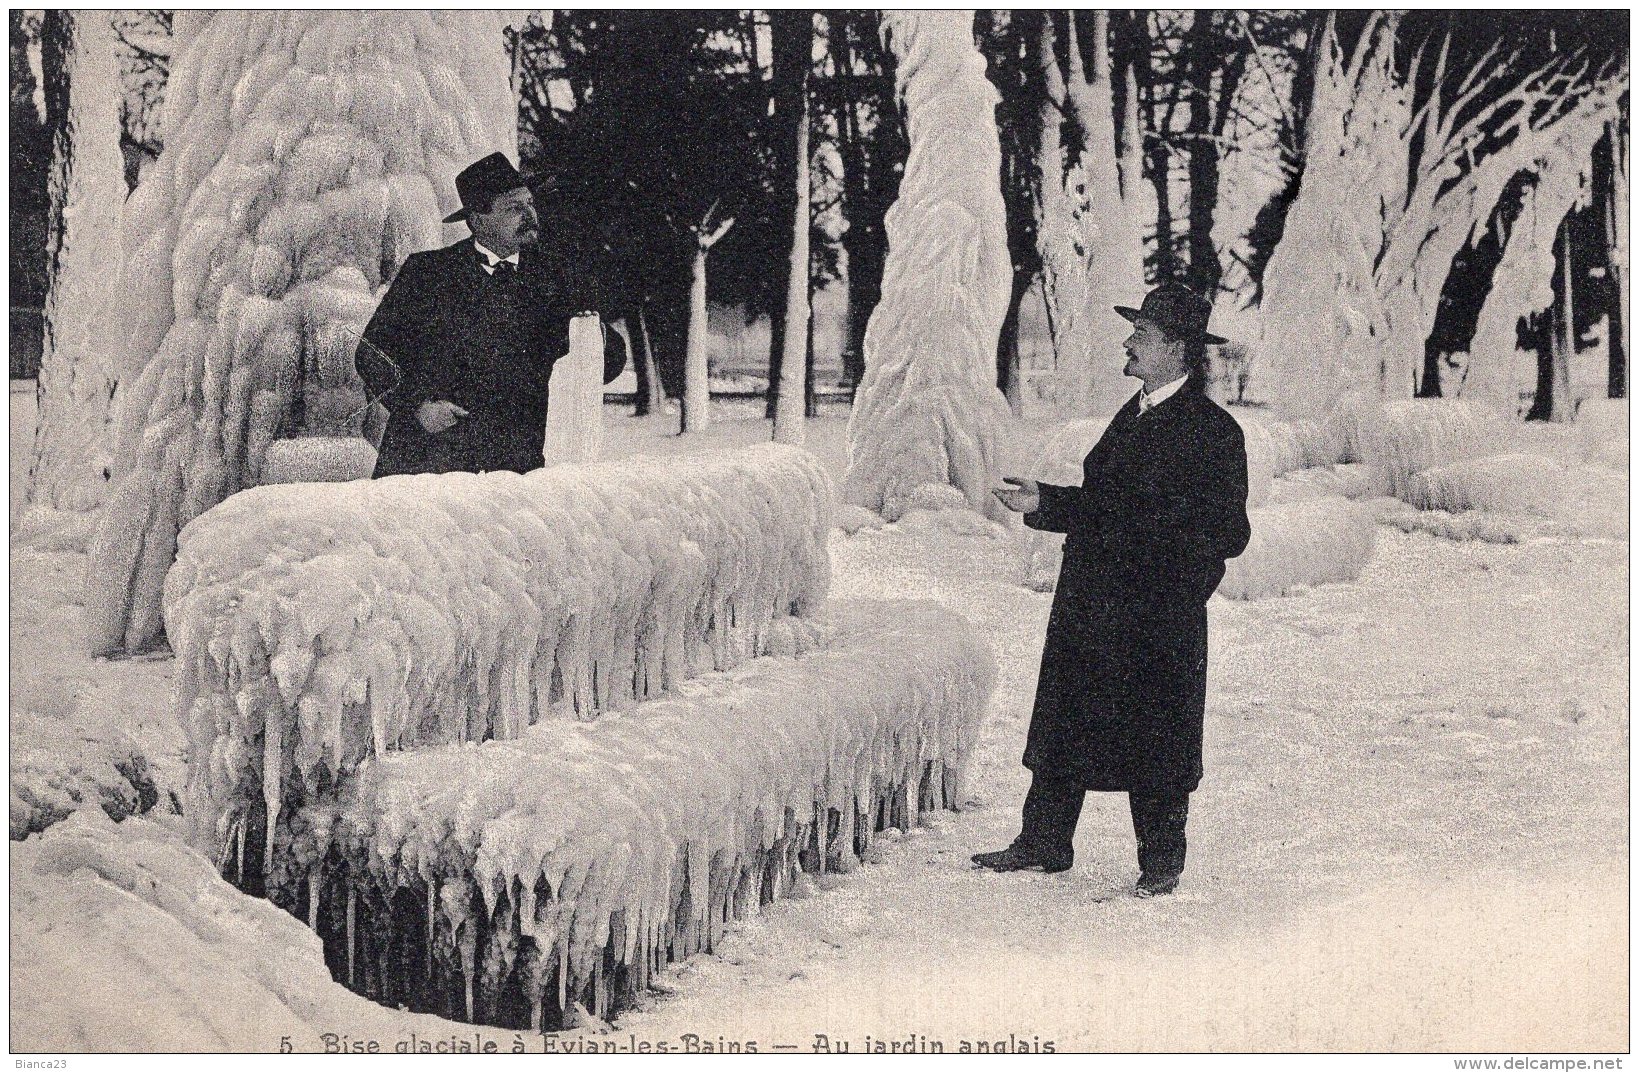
(307, 153)
(928, 409)
(69, 467)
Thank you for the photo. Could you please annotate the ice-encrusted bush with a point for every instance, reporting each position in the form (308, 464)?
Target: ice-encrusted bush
(1413, 435)
(1351, 480)
(506, 881)
(318, 625)
(1511, 483)
(1302, 543)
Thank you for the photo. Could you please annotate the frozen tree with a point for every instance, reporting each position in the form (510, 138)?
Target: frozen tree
(696, 369)
(1523, 281)
(69, 468)
(928, 409)
(307, 153)
(1392, 190)
(1092, 247)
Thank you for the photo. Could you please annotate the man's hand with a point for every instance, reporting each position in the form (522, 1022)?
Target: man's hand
(1024, 497)
(438, 416)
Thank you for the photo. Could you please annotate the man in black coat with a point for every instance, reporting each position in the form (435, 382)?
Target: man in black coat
(463, 343)
(1122, 692)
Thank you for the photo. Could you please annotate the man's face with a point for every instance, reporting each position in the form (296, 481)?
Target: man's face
(1152, 356)
(510, 224)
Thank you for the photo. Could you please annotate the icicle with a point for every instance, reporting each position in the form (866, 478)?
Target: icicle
(272, 781)
(432, 903)
(314, 878)
(239, 846)
(351, 907)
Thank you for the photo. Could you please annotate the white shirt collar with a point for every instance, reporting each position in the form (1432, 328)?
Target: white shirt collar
(491, 258)
(1150, 400)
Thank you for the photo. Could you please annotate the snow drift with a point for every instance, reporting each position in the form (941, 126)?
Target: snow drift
(317, 625)
(1306, 542)
(506, 881)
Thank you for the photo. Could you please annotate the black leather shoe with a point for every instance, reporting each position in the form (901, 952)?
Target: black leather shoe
(1017, 859)
(1155, 886)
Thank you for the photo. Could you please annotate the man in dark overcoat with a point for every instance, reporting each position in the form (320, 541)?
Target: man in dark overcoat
(462, 346)
(1122, 691)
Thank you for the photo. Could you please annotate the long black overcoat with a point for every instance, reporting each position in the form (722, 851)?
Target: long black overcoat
(485, 343)
(1122, 692)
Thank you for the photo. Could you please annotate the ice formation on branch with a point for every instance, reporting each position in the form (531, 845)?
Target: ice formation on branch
(1092, 247)
(928, 409)
(87, 186)
(1301, 543)
(317, 625)
(1523, 282)
(505, 882)
(307, 154)
(1390, 194)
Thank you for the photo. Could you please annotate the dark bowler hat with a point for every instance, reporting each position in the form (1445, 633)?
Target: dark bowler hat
(1178, 310)
(482, 182)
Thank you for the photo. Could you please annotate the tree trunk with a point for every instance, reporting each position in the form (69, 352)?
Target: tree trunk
(1204, 267)
(791, 403)
(696, 388)
(72, 455)
(1616, 246)
(651, 391)
(1010, 366)
(1553, 399)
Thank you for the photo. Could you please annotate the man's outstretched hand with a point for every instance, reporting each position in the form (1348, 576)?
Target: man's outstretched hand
(438, 415)
(1024, 497)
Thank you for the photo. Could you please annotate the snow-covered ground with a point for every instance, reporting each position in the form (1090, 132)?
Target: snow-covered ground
(1412, 833)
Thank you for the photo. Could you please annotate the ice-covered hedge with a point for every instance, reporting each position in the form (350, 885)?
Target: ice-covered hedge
(317, 625)
(1413, 435)
(1300, 543)
(504, 882)
(1511, 483)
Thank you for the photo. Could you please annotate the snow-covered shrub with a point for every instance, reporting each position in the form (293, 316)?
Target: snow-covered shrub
(317, 625)
(1511, 483)
(1351, 480)
(1412, 435)
(1480, 525)
(1065, 449)
(504, 882)
(1602, 429)
(1273, 447)
(1295, 544)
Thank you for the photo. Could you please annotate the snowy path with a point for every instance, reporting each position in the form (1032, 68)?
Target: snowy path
(1411, 834)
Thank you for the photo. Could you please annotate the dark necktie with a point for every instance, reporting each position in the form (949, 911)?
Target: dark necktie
(503, 269)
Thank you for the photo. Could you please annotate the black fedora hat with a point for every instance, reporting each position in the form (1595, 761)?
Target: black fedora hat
(482, 181)
(1178, 310)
